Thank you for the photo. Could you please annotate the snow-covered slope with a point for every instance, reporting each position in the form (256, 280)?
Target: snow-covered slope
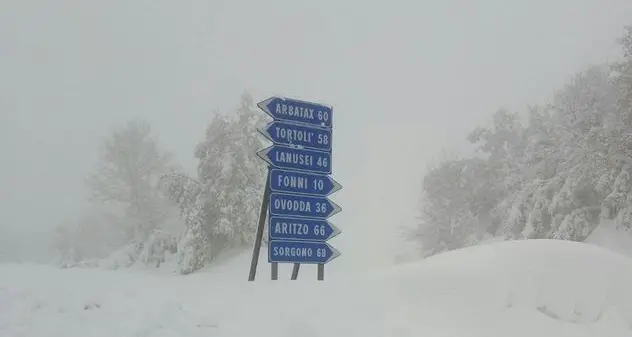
(531, 288)
(608, 235)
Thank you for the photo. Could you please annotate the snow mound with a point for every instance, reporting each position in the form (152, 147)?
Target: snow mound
(523, 288)
(517, 288)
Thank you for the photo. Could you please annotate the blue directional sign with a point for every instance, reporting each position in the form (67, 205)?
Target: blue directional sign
(295, 205)
(301, 229)
(302, 183)
(295, 134)
(293, 110)
(285, 157)
(299, 183)
(301, 252)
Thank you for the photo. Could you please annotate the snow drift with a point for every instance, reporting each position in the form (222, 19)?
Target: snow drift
(524, 288)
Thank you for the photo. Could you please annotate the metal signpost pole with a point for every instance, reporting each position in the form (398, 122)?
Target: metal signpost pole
(260, 228)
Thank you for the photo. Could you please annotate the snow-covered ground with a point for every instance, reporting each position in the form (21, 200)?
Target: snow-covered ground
(530, 288)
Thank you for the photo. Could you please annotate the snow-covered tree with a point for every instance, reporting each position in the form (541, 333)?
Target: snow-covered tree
(233, 175)
(503, 146)
(564, 156)
(622, 77)
(556, 176)
(618, 203)
(194, 248)
(125, 186)
(221, 205)
(458, 195)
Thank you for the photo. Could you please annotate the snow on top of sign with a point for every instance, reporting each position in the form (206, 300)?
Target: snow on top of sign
(285, 98)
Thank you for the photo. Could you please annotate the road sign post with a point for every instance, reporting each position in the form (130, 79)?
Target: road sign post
(260, 228)
(298, 184)
(295, 269)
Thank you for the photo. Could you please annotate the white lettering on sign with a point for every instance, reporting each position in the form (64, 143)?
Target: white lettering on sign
(292, 205)
(291, 135)
(294, 158)
(293, 252)
(292, 182)
(293, 228)
(294, 111)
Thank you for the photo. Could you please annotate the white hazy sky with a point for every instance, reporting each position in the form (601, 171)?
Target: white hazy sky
(405, 79)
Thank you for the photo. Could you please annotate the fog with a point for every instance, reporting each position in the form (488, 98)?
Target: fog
(405, 80)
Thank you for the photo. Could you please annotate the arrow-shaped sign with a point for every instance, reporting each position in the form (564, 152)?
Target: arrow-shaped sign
(302, 183)
(301, 252)
(302, 206)
(282, 228)
(296, 134)
(297, 159)
(288, 109)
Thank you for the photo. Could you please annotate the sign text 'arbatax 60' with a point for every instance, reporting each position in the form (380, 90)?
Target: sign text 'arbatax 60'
(293, 110)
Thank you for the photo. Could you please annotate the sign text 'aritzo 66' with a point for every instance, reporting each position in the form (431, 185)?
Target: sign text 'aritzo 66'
(301, 229)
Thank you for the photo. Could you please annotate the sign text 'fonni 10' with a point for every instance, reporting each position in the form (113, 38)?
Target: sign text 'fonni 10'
(286, 181)
(299, 181)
